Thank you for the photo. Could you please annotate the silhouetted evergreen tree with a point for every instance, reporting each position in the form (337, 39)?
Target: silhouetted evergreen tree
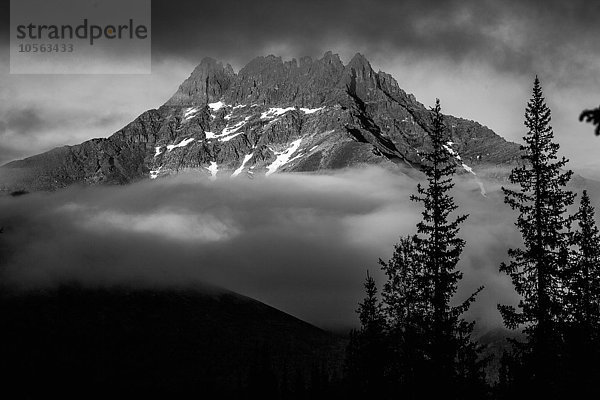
(583, 303)
(405, 304)
(438, 250)
(537, 269)
(584, 285)
(366, 354)
(431, 341)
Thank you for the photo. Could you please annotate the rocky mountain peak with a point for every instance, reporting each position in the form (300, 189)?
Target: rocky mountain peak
(269, 80)
(361, 80)
(332, 59)
(272, 116)
(208, 82)
(359, 62)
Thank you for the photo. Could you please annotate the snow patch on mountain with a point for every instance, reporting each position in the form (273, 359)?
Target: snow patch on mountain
(468, 169)
(450, 149)
(157, 151)
(278, 111)
(238, 171)
(216, 106)
(189, 113)
(213, 168)
(183, 143)
(465, 166)
(228, 138)
(229, 130)
(300, 155)
(283, 157)
(311, 110)
(275, 112)
(154, 173)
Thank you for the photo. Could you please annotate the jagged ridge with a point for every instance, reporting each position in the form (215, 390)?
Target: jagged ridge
(272, 116)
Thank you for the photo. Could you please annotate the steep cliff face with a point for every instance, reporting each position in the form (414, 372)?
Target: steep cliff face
(272, 116)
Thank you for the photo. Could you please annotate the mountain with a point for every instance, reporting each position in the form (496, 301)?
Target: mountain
(101, 343)
(271, 116)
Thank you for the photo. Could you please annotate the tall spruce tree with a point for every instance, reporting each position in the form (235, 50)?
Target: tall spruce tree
(537, 268)
(406, 308)
(432, 341)
(584, 276)
(370, 310)
(439, 249)
(582, 305)
(366, 355)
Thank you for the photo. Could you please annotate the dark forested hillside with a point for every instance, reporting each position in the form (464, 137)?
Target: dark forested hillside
(99, 343)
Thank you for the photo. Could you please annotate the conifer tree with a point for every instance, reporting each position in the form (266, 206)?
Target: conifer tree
(439, 249)
(369, 310)
(366, 354)
(584, 285)
(406, 308)
(536, 269)
(583, 302)
(431, 339)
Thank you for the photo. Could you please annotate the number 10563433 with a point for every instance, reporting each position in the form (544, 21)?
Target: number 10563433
(45, 48)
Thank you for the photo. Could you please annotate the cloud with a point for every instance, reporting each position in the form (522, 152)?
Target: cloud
(38, 113)
(40, 127)
(511, 35)
(301, 243)
(23, 121)
(168, 224)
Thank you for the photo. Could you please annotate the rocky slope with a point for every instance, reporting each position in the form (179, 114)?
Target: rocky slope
(272, 116)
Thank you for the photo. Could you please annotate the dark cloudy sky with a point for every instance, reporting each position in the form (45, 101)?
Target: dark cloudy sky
(478, 56)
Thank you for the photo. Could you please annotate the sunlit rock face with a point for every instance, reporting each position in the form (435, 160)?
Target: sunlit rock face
(272, 116)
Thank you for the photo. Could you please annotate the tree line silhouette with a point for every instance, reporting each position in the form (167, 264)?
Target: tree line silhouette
(413, 344)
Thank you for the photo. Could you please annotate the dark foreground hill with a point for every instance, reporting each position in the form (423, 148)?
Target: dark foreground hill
(118, 343)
